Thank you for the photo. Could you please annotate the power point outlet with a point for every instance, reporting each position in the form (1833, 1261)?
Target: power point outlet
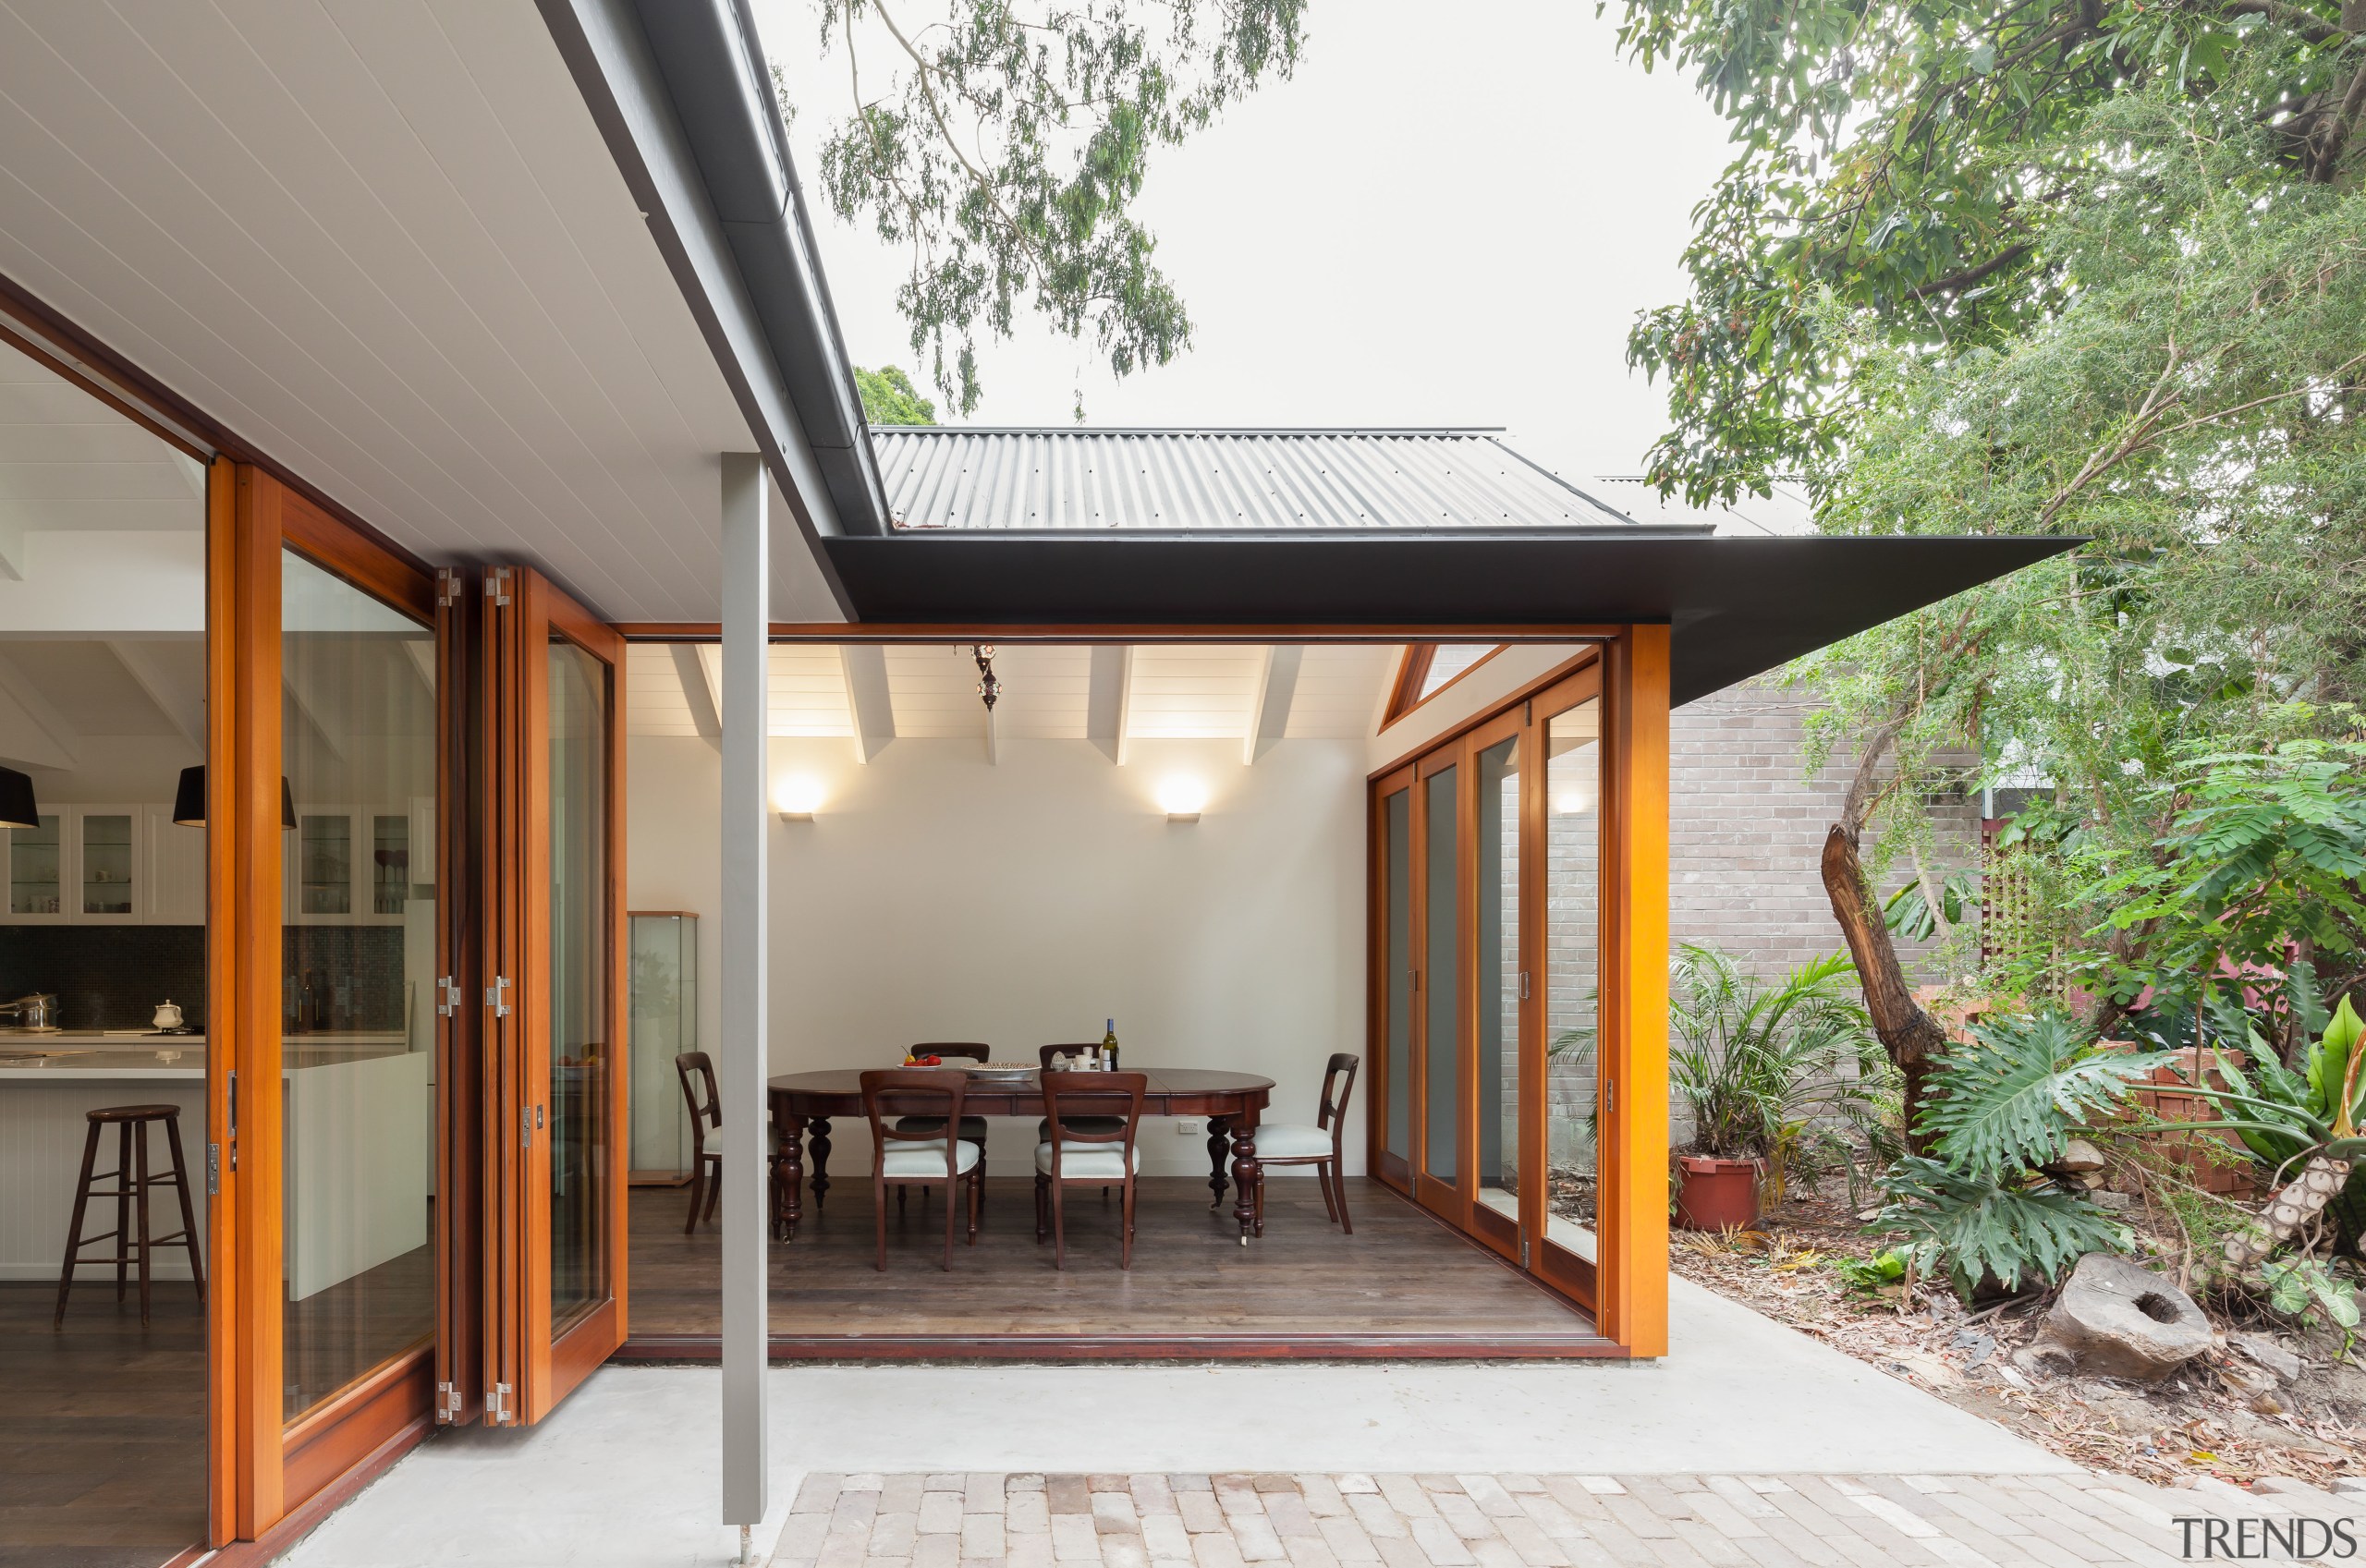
(1190, 1127)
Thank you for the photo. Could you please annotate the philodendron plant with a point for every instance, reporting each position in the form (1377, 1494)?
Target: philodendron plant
(2309, 1119)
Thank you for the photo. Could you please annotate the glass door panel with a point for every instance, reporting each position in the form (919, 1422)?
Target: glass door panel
(1573, 977)
(1496, 925)
(107, 860)
(1441, 977)
(1396, 961)
(556, 1004)
(359, 1276)
(34, 884)
(578, 982)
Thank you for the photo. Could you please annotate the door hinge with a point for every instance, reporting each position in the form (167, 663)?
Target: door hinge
(448, 996)
(496, 996)
(496, 585)
(447, 1404)
(498, 1407)
(447, 587)
(1610, 1096)
(1523, 985)
(213, 1170)
(1523, 1251)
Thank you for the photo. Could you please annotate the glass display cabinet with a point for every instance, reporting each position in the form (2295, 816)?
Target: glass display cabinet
(665, 1023)
(35, 885)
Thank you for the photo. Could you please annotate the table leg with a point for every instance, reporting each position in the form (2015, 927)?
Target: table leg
(1217, 1141)
(819, 1135)
(1246, 1174)
(792, 1202)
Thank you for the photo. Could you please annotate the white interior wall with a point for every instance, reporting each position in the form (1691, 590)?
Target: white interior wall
(938, 896)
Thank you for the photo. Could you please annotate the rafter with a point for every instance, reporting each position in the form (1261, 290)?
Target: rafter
(171, 696)
(42, 737)
(1108, 698)
(869, 703)
(1269, 710)
(698, 693)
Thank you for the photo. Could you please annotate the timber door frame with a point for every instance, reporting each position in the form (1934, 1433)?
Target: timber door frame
(1625, 1286)
(263, 1468)
(539, 1364)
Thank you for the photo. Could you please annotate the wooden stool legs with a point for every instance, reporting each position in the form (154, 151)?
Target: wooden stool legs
(132, 1180)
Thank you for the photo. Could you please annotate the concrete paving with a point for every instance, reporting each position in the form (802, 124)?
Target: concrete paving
(624, 1471)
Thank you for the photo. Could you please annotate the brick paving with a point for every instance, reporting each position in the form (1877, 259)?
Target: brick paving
(1349, 1521)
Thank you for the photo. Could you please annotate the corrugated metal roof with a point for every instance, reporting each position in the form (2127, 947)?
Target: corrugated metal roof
(969, 478)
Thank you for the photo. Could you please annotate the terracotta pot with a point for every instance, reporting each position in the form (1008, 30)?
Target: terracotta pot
(1713, 1194)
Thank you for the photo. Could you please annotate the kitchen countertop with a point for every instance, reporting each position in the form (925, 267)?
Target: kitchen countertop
(96, 1053)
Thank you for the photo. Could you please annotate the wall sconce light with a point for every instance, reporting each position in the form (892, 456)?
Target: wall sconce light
(1182, 800)
(799, 797)
(1570, 803)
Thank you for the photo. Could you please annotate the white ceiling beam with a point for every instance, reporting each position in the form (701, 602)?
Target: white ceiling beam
(1107, 699)
(164, 687)
(311, 708)
(422, 658)
(869, 703)
(31, 731)
(1269, 713)
(698, 692)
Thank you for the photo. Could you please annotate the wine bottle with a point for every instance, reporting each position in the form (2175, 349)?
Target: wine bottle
(1109, 1047)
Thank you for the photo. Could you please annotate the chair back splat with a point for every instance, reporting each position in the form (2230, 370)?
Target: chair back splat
(1338, 1087)
(1085, 1114)
(938, 1092)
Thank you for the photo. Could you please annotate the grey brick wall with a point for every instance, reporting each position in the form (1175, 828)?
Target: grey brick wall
(1746, 828)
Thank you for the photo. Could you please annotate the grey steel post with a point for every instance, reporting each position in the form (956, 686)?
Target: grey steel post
(741, 1064)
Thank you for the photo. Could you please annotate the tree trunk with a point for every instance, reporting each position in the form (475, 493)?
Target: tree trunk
(2291, 1210)
(1910, 1035)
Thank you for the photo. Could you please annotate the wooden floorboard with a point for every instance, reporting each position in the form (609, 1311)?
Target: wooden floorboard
(1403, 1285)
(102, 1426)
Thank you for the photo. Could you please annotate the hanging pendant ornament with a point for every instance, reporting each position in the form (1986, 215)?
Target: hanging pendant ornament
(988, 687)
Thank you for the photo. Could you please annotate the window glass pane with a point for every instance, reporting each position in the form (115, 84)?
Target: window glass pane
(359, 715)
(578, 1004)
(1572, 975)
(1498, 917)
(1441, 1073)
(1449, 660)
(1398, 810)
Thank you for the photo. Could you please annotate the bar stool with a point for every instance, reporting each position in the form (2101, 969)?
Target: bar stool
(131, 1184)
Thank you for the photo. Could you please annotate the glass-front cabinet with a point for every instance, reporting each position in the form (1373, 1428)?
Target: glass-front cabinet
(663, 985)
(36, 872)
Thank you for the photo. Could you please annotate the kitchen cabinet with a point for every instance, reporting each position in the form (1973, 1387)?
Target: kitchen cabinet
(36, 873)
(356, 864)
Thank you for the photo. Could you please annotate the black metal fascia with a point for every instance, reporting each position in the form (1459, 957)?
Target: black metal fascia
(712, 63)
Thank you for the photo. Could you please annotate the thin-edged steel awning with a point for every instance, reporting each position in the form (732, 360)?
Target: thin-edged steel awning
(1739, 606)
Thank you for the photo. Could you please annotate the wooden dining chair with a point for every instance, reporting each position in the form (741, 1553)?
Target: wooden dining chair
(695, 1069)
(1319, 1146)
(921, 1158)
(1047, 1054)
(973, 1128)
(1070, 1155)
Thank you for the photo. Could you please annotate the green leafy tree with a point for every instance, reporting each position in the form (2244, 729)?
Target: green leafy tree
(889, 397)
(1003, 146)
(1916, 166)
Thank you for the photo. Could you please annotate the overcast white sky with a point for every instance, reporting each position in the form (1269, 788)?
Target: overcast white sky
(1449, 216)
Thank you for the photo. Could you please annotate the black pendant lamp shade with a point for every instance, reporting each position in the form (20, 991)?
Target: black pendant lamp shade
(16, 808)
(189, 799)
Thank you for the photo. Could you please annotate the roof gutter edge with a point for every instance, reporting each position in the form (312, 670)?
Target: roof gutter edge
(673, 88)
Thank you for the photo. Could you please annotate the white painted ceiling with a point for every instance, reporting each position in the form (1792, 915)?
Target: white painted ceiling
(1178, 692)
(383, 241)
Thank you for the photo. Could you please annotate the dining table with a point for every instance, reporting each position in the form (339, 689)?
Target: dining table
(804, 1103)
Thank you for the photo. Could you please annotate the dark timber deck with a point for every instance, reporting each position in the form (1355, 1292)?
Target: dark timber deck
(102, 1426)
(1402, 1286)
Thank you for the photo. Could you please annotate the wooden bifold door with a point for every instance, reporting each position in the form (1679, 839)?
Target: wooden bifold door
(550, 994)
(1488, 892)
